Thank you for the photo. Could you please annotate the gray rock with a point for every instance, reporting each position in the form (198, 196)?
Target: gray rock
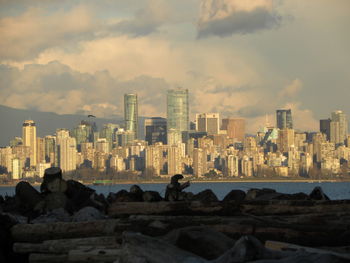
(50, 175)
(88, 214)
(235, 195)
(205, 196)
(55, 200)
(151, 196)
(202, 241)
(254, 193)
(56, 215)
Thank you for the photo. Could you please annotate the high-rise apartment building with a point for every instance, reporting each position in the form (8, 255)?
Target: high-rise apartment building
(199, 162)
(285, 140)
(231, 165)
(40, 150)
(342, 131)
(325, 128)
(155, 130)
(153, 157)
(177, 110)
(235, 128)
(174, 160)
(131, 113)
(29, 139)
(284, 119)
(208, 122)
(108, 133)
(66, 151)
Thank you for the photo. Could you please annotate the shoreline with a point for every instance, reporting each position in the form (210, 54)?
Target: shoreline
(207, 181)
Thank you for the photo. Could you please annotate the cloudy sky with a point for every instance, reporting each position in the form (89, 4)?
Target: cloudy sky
(241, 58)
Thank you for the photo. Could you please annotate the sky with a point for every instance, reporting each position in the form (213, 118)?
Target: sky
(240, 58)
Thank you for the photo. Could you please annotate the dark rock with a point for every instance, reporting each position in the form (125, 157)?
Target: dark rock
(6, 243)
(56, 215)
(11, 204)
(249, 249)
(318, 194)
(55, 201)
(234, 195)
(255, 193)
(56, 185)
(28, 197)
(50, 175)
(151, 196)
(205, 196)
(88, 214)
(74, 187)
(202, 241)
(125, 196)
(79, 196)
(136, 191)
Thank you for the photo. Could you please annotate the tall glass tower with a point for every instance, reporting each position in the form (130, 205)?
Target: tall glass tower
(177, 110)
(131, 113)
(284, 119)
(29, 139)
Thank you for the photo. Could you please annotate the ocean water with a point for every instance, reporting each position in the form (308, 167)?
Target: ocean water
(335, 190)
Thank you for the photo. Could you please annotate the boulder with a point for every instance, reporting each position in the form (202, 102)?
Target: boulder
(50, 175)
(205, 196)
(88, 214)
(56, 185)
(55, 215)
(234, 195)
(136, 191)
(79, 196)
(151, 196)
(54, 201)
(202, 241)
(125, 196)
(318, 194)
(7, 221)
(254, 193)
(27, 196)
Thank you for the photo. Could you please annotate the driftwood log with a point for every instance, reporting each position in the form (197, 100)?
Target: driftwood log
(294, 229)
(256, 207)
(50, 231)
(62, 246)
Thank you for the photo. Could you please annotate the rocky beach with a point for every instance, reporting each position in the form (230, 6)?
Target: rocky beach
(66, 221)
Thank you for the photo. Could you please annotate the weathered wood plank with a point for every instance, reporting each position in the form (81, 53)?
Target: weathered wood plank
(63, 246)
(50, 231)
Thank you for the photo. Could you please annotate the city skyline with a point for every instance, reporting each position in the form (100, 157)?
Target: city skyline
(237, 58)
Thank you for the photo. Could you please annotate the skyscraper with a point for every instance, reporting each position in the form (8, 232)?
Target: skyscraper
(155, 130)
(325, 128)
(284, 119)
(66, 151)
(177, 110)
(340, 117)
(131, 113)
(235, 128)
(208, 122)
(29, 139)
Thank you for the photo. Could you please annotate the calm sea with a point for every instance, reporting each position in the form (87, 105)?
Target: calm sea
(335, 190)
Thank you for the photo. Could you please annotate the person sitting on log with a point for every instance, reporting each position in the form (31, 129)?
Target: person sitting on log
(174, 189)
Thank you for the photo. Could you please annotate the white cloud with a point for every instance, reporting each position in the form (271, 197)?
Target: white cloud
(26, 35)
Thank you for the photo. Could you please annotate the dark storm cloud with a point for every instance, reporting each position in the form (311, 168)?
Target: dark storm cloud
(240, 22)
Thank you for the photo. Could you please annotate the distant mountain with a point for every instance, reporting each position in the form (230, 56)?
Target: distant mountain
(11, 121)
